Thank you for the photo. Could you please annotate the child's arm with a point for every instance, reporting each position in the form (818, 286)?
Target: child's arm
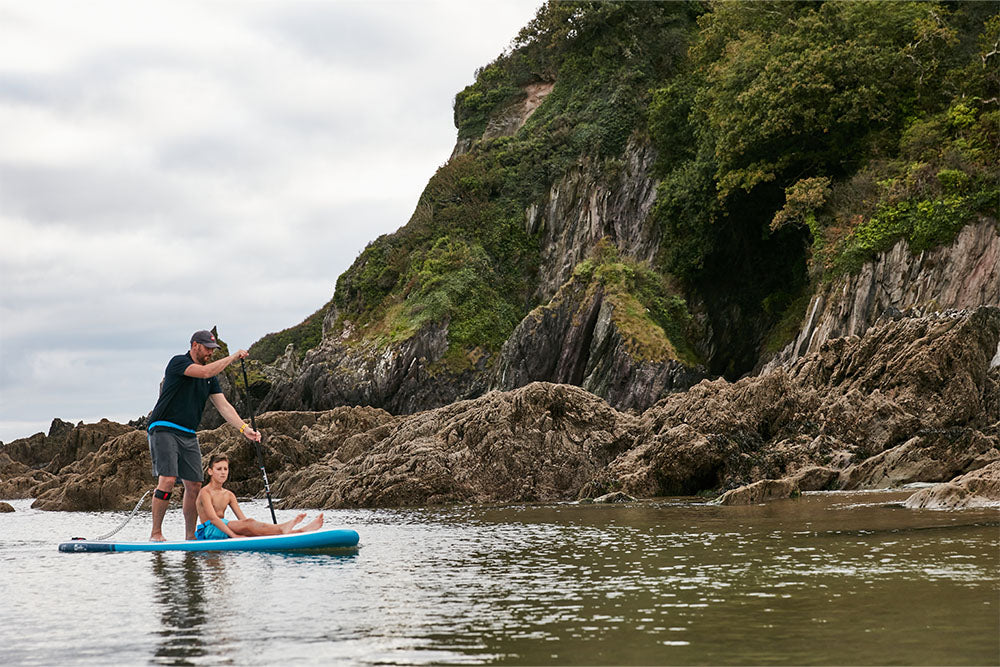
(235, 506)
(205, 498)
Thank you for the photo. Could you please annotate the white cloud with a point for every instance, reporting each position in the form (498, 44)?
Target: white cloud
(170, 166)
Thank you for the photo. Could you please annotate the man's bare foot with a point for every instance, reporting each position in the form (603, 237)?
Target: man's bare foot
(289, 526)
(315, 524)
(157, 537)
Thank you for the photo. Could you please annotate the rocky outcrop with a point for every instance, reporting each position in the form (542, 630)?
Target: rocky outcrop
(831, 411)
(962, 275)
(760, 492)
(574, 339)
(511, 119)
(6, 507)
(914, 399)
(541, 442)
(38, 450)
(592, 202)
(402, 378)
(29, 462)
(979, 488)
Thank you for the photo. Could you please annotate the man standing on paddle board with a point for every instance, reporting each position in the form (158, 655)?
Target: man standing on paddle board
(173, 444)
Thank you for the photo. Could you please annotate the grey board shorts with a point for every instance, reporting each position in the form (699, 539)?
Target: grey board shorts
(175, 455)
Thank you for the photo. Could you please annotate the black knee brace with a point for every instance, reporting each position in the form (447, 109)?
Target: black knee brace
(162, 495)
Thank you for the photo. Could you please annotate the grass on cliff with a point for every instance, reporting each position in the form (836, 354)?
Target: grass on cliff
(652, 319)
(465, 258)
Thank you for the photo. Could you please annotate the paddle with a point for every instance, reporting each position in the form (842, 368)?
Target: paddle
(260, 452)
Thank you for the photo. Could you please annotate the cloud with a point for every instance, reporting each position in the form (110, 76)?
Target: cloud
(170, 166)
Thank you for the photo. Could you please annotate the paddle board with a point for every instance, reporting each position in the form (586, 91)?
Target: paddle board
(329, 538)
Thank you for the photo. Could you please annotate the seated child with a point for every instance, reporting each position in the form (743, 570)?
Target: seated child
(213, 501)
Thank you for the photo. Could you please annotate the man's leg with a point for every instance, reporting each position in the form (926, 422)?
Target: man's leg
(160, 503)
(191, 490)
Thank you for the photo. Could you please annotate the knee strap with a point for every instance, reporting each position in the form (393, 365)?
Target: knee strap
(162, 495)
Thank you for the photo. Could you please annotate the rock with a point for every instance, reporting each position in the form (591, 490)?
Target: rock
(929, 457)
(6, 507)
(112, 478)
(401, 378)
(866, 411)
(615, 497)
(575, 339)
(538, 443)
(962, 275)
(27, 463)
(39, 449)
(980, 488)
(815, 478)
(593, 202)
(760, 492)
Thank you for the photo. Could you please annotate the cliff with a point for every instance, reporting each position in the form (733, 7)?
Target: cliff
(915, 399)
(963, 274)
(610, 135)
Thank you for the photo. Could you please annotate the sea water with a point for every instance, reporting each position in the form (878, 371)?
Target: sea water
(831, 578)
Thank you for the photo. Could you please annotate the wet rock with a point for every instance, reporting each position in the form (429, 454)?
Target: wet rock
(930, 457)
(887, 408)
(815, 478)
(760, 492)
(541, 442)
(980, 488)
(615, 497)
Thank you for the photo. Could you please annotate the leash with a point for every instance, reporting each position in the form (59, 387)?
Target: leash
(113, 532)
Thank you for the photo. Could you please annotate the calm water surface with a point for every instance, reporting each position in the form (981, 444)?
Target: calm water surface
(824, 579)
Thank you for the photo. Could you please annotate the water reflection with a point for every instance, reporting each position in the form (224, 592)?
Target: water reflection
(182, 581)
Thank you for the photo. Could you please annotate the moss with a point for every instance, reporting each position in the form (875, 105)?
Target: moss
(652, 319)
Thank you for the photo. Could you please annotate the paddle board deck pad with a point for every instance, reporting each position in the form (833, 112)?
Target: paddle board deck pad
(317, 539)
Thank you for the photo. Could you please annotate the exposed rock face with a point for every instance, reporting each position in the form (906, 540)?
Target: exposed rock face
(963, 275)
(28, 462)
(39, 449)
(914, 399)
(511, 119)
(979, 488)
(540, 442)
(574, 340)
(832, 411)
(587, 205)
(400, 378)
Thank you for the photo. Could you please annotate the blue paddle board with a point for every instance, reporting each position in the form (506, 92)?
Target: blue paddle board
(329, 538)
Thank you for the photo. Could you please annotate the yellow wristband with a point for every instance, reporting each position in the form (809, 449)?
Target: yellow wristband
(243, 428)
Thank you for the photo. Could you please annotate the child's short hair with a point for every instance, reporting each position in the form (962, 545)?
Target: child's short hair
(215, 458)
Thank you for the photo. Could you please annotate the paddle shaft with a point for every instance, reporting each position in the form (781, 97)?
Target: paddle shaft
(260, 451)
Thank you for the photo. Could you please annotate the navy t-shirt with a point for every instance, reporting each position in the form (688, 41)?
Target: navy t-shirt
(182, 398)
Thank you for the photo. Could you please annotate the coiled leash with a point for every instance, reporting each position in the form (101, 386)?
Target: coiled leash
(134, 510)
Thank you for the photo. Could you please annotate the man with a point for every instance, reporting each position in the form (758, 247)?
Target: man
(173, 445)
(214, 500)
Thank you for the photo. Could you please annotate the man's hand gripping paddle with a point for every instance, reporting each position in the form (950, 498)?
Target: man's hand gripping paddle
(260, 452)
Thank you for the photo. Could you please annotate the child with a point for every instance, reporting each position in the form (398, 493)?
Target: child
(213, 501)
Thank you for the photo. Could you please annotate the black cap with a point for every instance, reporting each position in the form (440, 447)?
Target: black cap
(204, 338)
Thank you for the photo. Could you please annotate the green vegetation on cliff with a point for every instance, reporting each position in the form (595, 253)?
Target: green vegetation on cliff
(794, 139)
(464, 257)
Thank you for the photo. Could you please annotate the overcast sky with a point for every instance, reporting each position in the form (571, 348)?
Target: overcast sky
(170, 166)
